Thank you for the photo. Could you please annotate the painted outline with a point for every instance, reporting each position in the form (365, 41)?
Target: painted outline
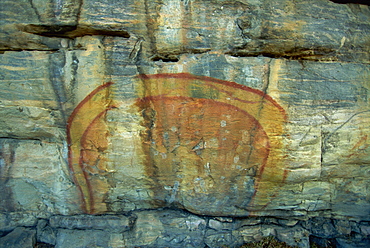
(263, 108)
(92, 108)
(258, 104)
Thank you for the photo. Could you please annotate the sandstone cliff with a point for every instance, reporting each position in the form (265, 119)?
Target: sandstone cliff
(184, 123)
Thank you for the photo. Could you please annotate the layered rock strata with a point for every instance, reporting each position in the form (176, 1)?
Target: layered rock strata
(184, 123)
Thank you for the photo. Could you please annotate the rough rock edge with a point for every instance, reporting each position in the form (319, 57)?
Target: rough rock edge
(215, 232)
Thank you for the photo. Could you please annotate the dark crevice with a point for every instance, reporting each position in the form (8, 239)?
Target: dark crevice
(48, 30)
(366, 2)
(247, 54)
(174, 56)
(168, 58)
(13, 137)
(71, 31)
(296, 53)
(316, 57)
(51, 50)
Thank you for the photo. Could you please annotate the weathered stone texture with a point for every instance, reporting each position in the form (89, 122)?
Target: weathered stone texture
(19, 237)
(245, 118)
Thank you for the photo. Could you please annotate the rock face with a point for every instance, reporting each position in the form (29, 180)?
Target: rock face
(184, 123)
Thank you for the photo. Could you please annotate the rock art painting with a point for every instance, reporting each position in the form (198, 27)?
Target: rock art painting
(202, 137)
(87, 141)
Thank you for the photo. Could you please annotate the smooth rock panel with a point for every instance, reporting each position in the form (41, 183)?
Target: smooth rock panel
(82, 238)
(30, 96)
(36, 182)
(167, 228)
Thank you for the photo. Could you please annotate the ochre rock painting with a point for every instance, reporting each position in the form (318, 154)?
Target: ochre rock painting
(208, 137)
(205, 137)
(87, 142)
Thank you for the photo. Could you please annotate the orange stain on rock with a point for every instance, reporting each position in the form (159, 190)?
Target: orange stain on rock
(201, 138)
(194, 128)
(87, 142)
(203, 127)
